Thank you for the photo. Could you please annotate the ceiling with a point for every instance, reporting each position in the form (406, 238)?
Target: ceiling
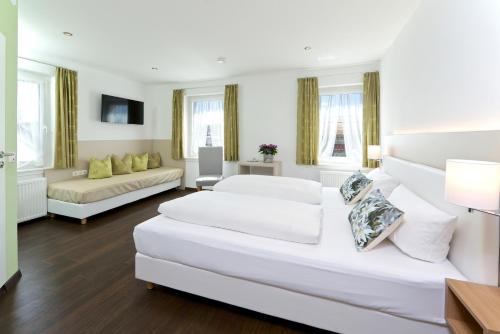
(183, 38)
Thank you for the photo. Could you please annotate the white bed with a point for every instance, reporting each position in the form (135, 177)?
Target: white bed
(329, 285)
(383, 279)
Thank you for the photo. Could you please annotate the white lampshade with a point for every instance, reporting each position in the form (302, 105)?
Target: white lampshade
(473, 184)
(374, 152)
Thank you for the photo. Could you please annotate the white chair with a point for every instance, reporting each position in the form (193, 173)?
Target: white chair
(210, 165)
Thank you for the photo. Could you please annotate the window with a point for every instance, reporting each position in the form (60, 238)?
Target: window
(204, 122)
(34, 120)
(341, 125)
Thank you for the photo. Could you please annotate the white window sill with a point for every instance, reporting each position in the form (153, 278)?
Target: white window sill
(342, 166)
(33, 169)
(24, 174)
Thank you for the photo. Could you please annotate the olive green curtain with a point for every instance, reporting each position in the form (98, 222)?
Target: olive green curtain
(307, 121)
(66, 151)
(177, 125)
(231, 141)
(371, 115)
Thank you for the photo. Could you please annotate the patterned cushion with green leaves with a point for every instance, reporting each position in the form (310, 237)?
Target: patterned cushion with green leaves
(355, 187)
(372, 220)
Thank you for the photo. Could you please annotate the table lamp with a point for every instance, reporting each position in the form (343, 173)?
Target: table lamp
(374, 153)
(475, 185)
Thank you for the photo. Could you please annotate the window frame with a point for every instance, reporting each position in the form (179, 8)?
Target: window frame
(341, 162)
(189, 100)
(46, 83)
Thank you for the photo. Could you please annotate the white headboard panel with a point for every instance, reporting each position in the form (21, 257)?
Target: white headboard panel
(474, 249)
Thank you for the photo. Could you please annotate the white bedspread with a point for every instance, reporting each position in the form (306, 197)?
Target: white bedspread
(287, 188)
(382, 279)
(267, 217)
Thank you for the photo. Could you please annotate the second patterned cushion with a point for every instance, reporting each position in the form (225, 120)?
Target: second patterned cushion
(372, 220)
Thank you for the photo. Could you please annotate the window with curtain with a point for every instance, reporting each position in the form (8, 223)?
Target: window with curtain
(341, 125)
(204, 122)
(35, 136)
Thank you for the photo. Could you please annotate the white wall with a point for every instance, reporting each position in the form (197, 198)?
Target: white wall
(93, 82)
(267, 109)
(442, 73)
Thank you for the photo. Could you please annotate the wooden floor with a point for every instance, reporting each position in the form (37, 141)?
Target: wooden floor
(80, 279)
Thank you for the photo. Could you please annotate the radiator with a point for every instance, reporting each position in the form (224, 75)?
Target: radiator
(333, 178)
(31, 199)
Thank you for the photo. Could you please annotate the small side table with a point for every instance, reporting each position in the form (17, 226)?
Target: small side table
(259, 167)
(472, 307)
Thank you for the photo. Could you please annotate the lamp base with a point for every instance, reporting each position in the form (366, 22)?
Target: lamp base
(495, 213)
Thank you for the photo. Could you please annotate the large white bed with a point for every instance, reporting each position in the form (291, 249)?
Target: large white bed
(329, 285)
(383, 279)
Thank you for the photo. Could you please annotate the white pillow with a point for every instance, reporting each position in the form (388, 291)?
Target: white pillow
(426, 231)
(382, 181)
(287, 188)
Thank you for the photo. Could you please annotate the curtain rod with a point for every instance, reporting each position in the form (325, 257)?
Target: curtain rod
(200, 87)
(38, 61)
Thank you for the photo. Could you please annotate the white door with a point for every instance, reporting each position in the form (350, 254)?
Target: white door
(3, 249)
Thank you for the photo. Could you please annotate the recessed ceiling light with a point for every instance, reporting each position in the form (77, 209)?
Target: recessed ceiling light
(155, 68)
(67, 33)
(325, 58)
(221, 60)
(307, 48)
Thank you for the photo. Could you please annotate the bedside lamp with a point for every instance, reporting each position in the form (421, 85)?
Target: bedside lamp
(475, 185)
(374, 152)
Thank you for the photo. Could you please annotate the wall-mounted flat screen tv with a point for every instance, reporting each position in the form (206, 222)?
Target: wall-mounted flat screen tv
(123, 111)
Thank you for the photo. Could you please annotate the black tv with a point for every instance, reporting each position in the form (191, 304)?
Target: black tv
(122, 111)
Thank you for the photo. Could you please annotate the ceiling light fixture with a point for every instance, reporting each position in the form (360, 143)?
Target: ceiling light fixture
(155, 68)
(67, 33)
(221, 60)
(307, 48)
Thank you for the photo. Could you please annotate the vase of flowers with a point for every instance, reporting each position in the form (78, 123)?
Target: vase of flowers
(268, 151)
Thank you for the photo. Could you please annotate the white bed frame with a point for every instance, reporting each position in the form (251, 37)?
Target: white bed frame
(473, 252)
(83, 211)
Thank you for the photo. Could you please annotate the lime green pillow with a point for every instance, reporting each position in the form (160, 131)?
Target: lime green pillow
(140, 162)
(121, 166)
(154, 160)
(100, 169)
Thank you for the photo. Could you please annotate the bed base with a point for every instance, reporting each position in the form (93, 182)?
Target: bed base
(83, 211)
(313, 311)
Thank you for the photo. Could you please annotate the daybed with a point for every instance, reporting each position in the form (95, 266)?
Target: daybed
(81, 198)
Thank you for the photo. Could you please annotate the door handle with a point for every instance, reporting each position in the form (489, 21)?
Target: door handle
(6, 154)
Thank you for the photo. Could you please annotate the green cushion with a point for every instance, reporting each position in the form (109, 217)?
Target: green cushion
(100, 169)
(121, 166)
(154, 160)
(140, 162)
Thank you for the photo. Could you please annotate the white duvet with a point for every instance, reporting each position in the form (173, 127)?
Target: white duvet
(287, 188)
(265, 217)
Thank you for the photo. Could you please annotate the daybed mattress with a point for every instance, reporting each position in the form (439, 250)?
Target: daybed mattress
(82, 191)
(383, 279)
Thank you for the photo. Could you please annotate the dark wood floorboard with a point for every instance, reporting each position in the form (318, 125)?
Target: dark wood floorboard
(80, 279)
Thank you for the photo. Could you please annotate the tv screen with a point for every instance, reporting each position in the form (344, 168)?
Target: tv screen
(123, 111)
